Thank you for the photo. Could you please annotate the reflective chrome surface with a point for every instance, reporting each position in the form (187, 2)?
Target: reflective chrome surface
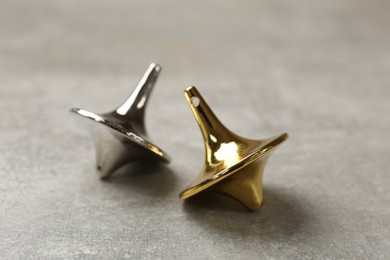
(233, 165)
(120, 136)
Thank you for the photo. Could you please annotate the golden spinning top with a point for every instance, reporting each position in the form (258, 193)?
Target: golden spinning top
(233, 165)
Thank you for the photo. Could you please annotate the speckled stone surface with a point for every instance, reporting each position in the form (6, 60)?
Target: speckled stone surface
(319, 70)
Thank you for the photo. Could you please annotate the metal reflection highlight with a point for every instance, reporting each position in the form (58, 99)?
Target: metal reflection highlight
(227, 153)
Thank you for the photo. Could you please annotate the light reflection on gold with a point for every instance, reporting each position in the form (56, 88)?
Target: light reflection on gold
(213, 138)
(227, 153)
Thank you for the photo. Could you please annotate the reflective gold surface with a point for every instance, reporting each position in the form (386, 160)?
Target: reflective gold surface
(233, 165)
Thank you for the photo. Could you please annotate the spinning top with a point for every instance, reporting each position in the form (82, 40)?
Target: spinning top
(233, 165)
(120, 136)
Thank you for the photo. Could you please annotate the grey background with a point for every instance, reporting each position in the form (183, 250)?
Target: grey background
(319, 70)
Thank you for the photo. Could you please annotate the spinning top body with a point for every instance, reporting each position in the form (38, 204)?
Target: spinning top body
(120, 136)
(233, 165)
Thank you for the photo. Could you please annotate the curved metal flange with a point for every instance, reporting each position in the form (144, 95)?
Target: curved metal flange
(120, 136)
(233, 165)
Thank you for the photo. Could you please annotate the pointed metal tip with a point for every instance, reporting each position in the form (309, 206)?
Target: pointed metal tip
(85, 113)
(155, 67)
(278, 140)
(74, 110)
(191, 91)
(283, 137)
(194, 98)
(274, 142)
(190, 88)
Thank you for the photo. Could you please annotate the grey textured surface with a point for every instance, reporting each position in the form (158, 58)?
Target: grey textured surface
(319, 70)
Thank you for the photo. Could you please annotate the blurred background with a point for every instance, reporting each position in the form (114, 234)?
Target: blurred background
(319, 70)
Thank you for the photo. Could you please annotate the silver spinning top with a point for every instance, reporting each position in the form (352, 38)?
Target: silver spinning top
(120, 136)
